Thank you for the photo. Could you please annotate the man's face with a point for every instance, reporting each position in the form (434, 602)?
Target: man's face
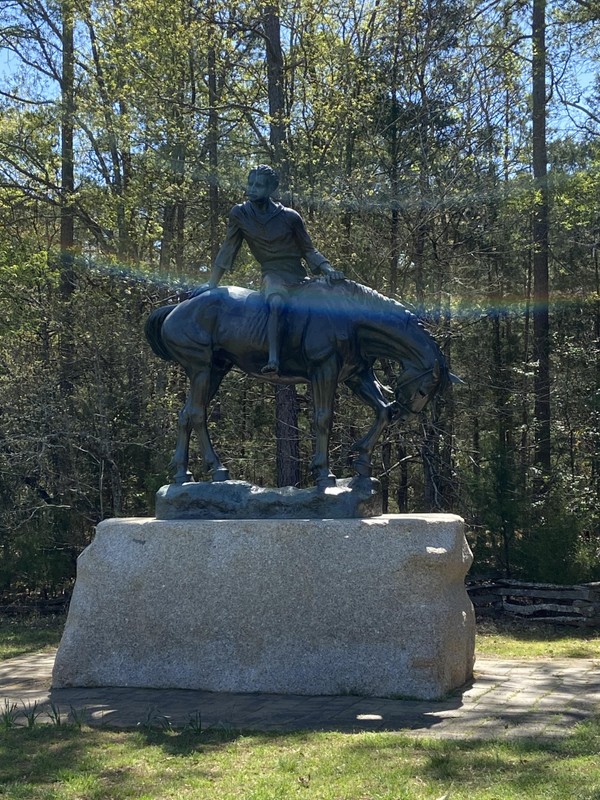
(260, 187)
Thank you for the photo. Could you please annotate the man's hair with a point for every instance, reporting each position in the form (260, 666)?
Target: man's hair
(265, 169)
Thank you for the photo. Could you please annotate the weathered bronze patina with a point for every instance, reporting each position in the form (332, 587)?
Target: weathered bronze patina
(323, 331)
(279, 241)
(330, 334)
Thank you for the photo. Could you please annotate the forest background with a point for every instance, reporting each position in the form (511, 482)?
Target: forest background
(443, 152)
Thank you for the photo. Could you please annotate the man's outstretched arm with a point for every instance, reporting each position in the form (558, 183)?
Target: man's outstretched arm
(225, 257)
(319, 265)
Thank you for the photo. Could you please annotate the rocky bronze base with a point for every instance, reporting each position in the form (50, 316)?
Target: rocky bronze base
(356, 498)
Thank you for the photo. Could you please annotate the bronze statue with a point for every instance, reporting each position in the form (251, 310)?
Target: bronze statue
(278, 239)
(322, 332)
(329, 334)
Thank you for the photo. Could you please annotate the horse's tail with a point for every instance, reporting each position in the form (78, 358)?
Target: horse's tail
(153, 331)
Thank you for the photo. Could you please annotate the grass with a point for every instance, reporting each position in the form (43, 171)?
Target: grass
(506, 638)
(22, 635)
(49, 763)
(75, 762)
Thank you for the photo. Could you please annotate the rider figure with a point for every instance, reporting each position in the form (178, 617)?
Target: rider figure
(278, 239)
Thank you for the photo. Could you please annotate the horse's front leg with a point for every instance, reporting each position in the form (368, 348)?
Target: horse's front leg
(366, 388)
(324, 383)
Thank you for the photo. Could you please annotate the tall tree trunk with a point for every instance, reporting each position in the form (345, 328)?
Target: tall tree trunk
(62, 457)
(213, 153)
(394, 155)
(432, 486)
(120, 160)
(541, 325)
(67, 211)
(286, 401)
(276, 93)
(174, 211)
(67, 215)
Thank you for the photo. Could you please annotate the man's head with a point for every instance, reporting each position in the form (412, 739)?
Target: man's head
(262, 183)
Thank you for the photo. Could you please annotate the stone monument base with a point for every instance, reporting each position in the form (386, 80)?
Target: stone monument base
(368, 606)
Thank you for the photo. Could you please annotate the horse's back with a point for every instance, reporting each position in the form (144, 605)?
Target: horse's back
(231, 323)
(203, 313)
(226, 323)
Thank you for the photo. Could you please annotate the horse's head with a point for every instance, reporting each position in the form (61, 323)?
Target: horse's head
(416, 387)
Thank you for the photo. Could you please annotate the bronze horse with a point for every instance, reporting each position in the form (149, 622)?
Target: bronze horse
(331, 334)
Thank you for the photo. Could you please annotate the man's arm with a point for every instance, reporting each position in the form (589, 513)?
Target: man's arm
(216, 274)
(317, 262)
(225, 257)
(231, 246)
(330, 273)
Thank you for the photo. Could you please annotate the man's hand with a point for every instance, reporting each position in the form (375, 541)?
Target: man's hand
(330, 273)
(215, 276)
(200, 290)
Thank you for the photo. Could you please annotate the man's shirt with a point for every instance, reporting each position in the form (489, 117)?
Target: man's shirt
(278, 240)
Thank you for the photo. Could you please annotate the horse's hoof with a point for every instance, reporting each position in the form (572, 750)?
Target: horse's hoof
(220, 475)
(272, 368)
(187, 478)
(327, 483)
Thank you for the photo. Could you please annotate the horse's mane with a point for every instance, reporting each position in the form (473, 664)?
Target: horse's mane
(371, 298)
(370, 301)
(373, 302)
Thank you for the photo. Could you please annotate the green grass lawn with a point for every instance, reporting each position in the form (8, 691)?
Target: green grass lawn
(65, 762)
(508, 638)
(22, 635)
(58, 763)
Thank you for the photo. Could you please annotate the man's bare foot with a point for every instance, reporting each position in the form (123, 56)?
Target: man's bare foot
(272, 368)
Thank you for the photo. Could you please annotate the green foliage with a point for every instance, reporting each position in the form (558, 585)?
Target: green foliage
(407, 145)
(557, 546)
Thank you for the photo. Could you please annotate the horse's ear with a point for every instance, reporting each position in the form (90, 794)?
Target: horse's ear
(454, 378)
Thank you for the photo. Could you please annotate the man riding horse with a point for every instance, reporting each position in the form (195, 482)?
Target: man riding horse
(333, 334)
(278, 239)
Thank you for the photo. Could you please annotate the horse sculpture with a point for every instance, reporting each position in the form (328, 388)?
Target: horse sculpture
(331, 334)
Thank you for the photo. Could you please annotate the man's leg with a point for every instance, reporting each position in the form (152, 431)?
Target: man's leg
(276, 304)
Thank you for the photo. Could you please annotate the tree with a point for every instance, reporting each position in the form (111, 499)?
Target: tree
(407, 135)
(286, 429)
(541, 322)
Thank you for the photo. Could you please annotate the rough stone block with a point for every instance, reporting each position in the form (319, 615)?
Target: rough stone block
(370, 606)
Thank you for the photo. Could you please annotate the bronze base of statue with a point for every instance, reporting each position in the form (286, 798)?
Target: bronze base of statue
(347, 499)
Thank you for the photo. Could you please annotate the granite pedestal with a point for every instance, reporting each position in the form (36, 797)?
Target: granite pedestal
(369, 606)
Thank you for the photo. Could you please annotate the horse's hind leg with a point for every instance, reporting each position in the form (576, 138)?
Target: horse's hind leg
(194, 416)
(203, 388)
(181, 456)
(324, 383)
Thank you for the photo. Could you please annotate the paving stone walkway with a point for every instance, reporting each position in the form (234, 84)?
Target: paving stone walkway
(508, 698)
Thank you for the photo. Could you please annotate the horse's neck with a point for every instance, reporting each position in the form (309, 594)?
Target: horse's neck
(399, 338)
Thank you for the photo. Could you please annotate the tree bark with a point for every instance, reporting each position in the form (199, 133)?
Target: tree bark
(541, 323)
(286, 401)
(213, 154)
(67, 211)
